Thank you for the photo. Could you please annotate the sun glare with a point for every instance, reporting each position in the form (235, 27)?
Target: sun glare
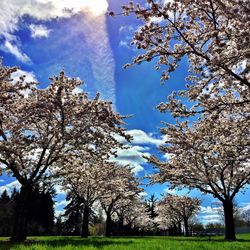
(96, 7)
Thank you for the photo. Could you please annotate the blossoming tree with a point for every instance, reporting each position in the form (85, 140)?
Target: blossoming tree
(42, 127)
(173, 209)
(213, 36)
(121, 186)
(133, 215)
(212, 155)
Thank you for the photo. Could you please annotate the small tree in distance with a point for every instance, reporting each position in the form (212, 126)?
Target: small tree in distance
(174, 209)
(121, 187)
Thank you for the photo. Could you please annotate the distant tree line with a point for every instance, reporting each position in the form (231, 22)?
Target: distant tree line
(151, 216)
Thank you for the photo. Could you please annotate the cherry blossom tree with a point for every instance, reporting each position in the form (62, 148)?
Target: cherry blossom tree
(121, 186)
(133, 214)
(174, 209)
(212, 156)
(43, 126)
(213, 35)
(167, 219)
(82, 176)
(10, 92)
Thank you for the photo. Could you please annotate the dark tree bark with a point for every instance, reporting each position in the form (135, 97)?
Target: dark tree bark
(229, 220)
(108, 224)
(85, 224)
(185, 220)
(121, 226)
(19, 232)
(179, 228)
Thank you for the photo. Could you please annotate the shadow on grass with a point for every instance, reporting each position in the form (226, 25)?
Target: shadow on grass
(203, 239)
(77, 242)
(185, 239)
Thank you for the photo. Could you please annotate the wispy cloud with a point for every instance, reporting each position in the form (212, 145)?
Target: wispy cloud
(126, 33)
(39, 31)
(134, 157)
(61, 204)
(210, 214)
(13, 49)
(100, 55)
(138, 149)
(141, 137)
(11, 12)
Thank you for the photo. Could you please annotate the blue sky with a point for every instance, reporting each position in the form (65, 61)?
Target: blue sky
(43, 37)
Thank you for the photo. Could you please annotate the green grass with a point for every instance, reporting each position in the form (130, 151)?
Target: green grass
(128, 243)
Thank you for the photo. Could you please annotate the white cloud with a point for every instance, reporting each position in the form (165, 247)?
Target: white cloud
(143, 194)
(78, 90)
(61, 203)
(11, 48)
(59, 189)
(10, 186)
(140, 137)
(127, 32)
(167, 156)
(170, 191)
(211, 217)
(11, 12)
(210, 214)
(125, 44)
(29, 76)
(133, 157)
(58, 213)
(101, 56)
(39, 31)
(209, 210)
(246, 207)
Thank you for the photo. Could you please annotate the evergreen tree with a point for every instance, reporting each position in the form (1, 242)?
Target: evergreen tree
(6, 214)
(14, 195)
(151, 210)
(73, 215)
(4, 198)
(41, 211)
(151, 206)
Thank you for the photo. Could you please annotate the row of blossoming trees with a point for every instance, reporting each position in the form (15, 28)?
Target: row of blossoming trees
(212, 153)
(52, 132)
(59, 134)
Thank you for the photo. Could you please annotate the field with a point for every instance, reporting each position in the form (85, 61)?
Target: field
(129, 243)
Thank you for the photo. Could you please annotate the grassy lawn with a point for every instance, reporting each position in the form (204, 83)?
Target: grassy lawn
(129, 243)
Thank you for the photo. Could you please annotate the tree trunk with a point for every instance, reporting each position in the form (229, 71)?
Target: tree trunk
(108, 225)
(85, 224)
(186, 227)
(121, 226)
(19, 232)
(179, 228)
(229, 220)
